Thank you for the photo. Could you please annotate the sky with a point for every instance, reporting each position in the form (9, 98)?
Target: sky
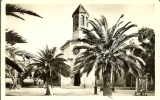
(56, 27)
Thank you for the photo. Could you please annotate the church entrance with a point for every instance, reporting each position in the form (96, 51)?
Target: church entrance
(77, 79)
(130, 80)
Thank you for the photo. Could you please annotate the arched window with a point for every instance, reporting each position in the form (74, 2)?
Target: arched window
(82, 20)
(86, 21)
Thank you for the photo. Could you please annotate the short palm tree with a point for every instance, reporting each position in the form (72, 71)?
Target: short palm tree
(51, 65)
(105, 49)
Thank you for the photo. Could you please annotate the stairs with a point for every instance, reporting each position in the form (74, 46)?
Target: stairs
(124, 88)
(120, 88)
(72, 87)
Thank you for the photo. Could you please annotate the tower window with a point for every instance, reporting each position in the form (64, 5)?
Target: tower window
(75, 22)
(82, 20)
(86, 21)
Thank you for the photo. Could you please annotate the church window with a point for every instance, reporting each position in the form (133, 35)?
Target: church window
(76, 22)
(82, 20)
(86, 21)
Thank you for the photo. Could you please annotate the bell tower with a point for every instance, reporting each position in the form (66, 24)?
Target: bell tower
(80, 17)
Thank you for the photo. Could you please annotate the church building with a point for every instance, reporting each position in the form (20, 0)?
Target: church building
(80, 17)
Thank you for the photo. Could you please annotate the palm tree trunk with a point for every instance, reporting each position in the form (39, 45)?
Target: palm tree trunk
(14, 80)
(21, 81)
(112, 79)
(107, 86)
(49, 90)
(35, 83)
(153, 76)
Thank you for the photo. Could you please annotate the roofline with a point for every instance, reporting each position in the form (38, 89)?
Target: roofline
(62, 47)
(81, 12)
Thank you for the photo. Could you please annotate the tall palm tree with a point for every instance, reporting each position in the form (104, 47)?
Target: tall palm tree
(51, 65)
(13, 37)
(105, 50)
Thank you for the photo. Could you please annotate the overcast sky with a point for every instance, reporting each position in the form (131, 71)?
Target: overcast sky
(56, 27)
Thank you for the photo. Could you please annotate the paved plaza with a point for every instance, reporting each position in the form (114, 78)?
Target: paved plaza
(68, 92)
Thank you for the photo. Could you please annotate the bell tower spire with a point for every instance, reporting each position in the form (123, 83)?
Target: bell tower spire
(80, 17)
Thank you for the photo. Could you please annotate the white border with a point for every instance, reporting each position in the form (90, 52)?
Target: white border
(157, 46)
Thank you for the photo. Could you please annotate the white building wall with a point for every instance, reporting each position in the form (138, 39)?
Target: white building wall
(86, 81)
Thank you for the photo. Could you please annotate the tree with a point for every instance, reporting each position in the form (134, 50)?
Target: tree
(50, 66)
(105, 50)
(146, 37)
(15, 66)
(13, 37)
(34, 73)
(12, 60)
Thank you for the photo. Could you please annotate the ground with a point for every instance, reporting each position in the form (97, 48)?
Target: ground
(68, 92)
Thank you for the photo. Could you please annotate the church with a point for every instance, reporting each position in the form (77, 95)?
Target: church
(80, 17)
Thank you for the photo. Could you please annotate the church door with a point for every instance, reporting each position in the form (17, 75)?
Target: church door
(77, 80)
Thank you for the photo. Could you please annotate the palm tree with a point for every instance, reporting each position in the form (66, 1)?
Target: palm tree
(105, 50)
(13, 37)
(51, 65)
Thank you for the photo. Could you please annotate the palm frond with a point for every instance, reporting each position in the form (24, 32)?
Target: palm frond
(115, 26)
(104, 23)
(121, 40)
(59, 55)
(12, 8)
(90, 67)
(13, 38)
(96, 28)
(13, 14)
(13, 64)
(124, 29)
(52, 64)
(99, 23)
(119, 31)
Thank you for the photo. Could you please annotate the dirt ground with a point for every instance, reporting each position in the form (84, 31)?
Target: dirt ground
(68, 92)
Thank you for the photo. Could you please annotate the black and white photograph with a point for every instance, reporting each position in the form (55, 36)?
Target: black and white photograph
(79, 49)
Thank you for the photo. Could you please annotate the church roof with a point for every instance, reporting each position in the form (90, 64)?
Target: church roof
(65, 44)
(80, 9)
